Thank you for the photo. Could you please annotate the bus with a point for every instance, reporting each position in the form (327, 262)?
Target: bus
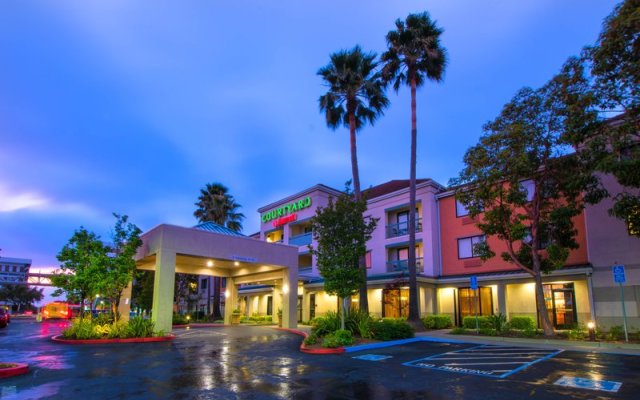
(60, 309)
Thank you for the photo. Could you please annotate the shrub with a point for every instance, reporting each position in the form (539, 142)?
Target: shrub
(470, 322)
(523, 323)
(244, 319)
(498, 322)
(357, 321)
(459, 330)
(487, 332)
(615, 333)
(140, 327)
(179, 319)
(322, 326)
(391, 329)
(268, 318)
(103, 319)
(437, 321)
(577, 333)
(81, 329)
(311, 340)
(339, 338)
(119, 331)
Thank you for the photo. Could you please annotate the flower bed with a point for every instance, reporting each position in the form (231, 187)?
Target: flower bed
(99, 330)
(8, 369)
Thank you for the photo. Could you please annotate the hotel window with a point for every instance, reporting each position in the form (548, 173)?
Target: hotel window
(467, 246)
(461, 210)
(543, 240)
(528, 187)
(367, 259)
(203, 283)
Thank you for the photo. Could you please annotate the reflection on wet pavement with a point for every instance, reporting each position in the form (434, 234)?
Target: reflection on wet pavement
(263, 363)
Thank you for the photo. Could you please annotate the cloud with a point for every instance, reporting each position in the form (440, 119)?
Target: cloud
(16, 201)
(12, 200)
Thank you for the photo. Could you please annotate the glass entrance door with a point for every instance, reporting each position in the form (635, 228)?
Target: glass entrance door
(312, 306)
(563, 308)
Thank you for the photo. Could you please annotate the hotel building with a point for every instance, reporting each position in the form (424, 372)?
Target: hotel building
(445, 235)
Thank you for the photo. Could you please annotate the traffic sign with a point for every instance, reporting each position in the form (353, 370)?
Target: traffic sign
(618, 274)
(474, 282)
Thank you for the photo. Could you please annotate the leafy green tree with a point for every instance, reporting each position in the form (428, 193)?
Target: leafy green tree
(80, 265)
(185, 289)
(526, 187)
(414, 55)
(342, 233)
(356, 96)
(142, 291)
(215, 204)
(20, 296)
(606, 79)
(117, 266)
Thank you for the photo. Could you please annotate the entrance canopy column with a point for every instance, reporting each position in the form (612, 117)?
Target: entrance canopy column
(231, 300)
(164, 280)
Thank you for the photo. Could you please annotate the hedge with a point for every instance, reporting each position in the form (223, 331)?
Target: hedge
(470, 322)
(523, 323)
(437, 322)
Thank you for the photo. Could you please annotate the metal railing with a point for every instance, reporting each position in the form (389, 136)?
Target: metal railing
(403, 265)
(300, 240)
(402, 228)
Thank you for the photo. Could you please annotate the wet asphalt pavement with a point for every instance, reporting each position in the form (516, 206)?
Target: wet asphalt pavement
(264, 363)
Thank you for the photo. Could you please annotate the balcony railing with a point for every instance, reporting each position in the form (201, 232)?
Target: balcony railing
(300, 240)
(402, 228)
(403, 265)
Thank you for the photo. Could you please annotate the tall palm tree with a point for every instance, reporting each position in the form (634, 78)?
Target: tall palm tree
(215, 204)
(356, 96)
(414, 54)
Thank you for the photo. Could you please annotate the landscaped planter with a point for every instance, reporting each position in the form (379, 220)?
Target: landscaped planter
(8, 369)
(60, 339)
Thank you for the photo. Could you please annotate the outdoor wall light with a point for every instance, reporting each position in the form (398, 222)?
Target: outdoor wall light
(592, 330)
(209, 263)
(226, 294)
(285, 288)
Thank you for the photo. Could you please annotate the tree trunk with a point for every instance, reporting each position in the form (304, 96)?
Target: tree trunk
(414, 311)
(543, 314)
(345, 304)
(363, 302)
(216, 314)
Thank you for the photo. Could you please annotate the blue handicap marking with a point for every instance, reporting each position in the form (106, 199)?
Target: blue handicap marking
(372, 357)
(585, 383)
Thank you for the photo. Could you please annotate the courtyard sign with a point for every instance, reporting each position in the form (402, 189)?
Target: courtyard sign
(278, 213)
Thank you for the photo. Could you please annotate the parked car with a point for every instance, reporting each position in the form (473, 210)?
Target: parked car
(4, 318)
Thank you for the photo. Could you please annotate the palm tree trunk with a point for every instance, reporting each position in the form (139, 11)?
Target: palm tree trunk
(414, 312)
(363, 302)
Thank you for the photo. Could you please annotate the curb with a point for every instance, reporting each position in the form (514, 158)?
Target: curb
(198, 326)
(18, 369)
(305, 349)
(59, 339)
(552, 342)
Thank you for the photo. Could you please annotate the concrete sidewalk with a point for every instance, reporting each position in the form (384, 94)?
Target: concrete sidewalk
(599, 347)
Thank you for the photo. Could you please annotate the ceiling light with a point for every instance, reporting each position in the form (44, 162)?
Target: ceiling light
(209, 263)
(236, 263)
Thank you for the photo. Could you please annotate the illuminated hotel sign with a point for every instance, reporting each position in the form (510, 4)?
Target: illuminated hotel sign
(286, 213)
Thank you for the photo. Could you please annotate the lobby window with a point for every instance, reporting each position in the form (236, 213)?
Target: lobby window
(470, 300)
(395, 303)
(203, 283)
(467, 246)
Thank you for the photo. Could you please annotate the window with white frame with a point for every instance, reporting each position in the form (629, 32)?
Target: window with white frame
(467, 246)
(461, 210)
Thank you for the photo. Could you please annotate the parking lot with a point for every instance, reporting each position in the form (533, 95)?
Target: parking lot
(264, 363)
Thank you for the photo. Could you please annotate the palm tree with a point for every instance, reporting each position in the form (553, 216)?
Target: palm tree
(215, 204)
(356, 96)
(414, 54)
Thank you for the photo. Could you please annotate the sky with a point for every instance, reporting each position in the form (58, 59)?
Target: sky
(133, 106)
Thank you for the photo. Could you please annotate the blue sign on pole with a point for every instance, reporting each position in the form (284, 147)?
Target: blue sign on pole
(618, 274)
(474, 282)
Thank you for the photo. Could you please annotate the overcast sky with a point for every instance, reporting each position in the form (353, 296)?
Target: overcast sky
(133, 106)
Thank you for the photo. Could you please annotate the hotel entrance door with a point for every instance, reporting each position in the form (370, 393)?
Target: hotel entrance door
(561, 305)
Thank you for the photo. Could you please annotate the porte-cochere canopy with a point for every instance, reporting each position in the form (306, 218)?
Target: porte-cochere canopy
(213, 250)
